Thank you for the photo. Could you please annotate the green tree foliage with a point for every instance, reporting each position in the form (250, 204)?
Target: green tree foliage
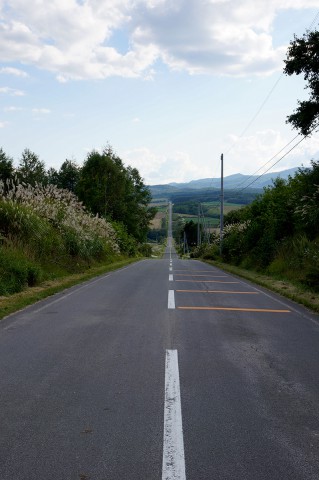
(279, 231)
(31, 169)
(305, 192)
(190, 230)
(6, 167)
(68, 175)
(109, 189)
(303, 58)
(53, 176)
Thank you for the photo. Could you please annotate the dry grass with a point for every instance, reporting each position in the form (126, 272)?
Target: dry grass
(156, 223)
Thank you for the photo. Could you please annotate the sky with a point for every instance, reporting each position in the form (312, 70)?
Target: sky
(169, 84)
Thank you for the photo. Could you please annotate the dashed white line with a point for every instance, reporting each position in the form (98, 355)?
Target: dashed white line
(173, 443)
(171, 299)
(170, 278)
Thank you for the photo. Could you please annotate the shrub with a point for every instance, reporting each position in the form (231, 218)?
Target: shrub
(145, 250)
(62, 210)
(16, 272)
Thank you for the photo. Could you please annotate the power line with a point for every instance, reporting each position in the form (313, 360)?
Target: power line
(255, 173)
(267, 97)
(257, 113)
(301, 140)
(254, 118)
(314, 21)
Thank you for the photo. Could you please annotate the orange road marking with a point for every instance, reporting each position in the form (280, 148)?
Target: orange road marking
(204, 281)
(216, 291)
(196, 271)
(191, 275)
(234, 309)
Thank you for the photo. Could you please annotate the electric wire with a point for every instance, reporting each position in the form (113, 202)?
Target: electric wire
(254, 118)
(256, 114)
(263, 166)
(314, 21)
(244, 131)
(265, 101)
(283, 156)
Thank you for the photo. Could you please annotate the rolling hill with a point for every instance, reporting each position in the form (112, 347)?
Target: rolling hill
(237, 181)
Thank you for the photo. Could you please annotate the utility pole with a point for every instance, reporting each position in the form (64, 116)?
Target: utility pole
(198, 227)
(221, 202)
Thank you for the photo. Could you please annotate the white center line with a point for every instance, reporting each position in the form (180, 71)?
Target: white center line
(171, 299)
(170, 278)
(173, 444)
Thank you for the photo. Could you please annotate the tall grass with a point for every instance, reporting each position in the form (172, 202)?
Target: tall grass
(44, 229)
(297, 259)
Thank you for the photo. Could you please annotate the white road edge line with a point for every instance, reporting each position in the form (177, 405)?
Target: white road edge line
(173, 444)
(171, 299)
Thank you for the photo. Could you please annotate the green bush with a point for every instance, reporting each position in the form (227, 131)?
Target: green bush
(312, 278)
(126, 242)
(206, 251)
(145, 250)
(16, 272)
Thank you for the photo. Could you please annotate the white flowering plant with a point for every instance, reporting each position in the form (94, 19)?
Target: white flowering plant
(23, 207)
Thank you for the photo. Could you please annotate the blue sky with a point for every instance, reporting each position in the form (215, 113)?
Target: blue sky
(169, 84)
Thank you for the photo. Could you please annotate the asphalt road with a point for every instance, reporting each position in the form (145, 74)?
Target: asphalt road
(85, 376)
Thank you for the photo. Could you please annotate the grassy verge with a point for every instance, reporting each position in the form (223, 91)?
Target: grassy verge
(287, 289)
(12, 303)
(158, 250)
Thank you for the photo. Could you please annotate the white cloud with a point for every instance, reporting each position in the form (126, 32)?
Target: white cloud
(13, 71)
(258, 153)
(11, 91)
(41, 111)
(3, 124)
(72, 38)
(251, 155)
(12, 109)
(157, 168)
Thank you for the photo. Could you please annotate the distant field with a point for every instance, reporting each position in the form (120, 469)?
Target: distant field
(156, 223)
(209, 221)
(159, 202)
(212, 213)
(210, 209)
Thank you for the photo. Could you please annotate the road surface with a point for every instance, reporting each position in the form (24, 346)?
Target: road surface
(167, 369)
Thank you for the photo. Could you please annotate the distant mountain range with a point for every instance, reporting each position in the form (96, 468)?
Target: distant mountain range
(236, 181)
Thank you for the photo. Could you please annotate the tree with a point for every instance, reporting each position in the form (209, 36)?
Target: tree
(6, 167)
(303, 57)
(101, 185)
(68, 175)
(53, 176)
(138, 198)
(190, 229)
(109, 189)
(31, 169)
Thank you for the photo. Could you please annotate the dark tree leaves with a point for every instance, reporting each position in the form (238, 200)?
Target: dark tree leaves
(6, 167)
(31, 169)
(303, 58)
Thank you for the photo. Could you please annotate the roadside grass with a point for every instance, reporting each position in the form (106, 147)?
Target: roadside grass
(293, 291)
(158, 250)
(17, 301)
